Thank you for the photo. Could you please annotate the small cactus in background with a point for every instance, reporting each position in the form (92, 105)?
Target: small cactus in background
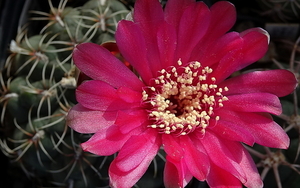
(37, 90)
(280, 10)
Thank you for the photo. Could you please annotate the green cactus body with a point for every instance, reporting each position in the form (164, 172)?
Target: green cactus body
(38, 89)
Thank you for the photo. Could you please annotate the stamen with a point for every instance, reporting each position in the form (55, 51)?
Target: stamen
(181, 101)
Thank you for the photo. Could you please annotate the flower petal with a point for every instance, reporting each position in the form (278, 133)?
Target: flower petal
(255, 45)
(223, 17)
(254, 102)
(250, 169)
(243, 158)
(212, 52)
(174, 10)
(133, 159)
(84, 120)
(108, 141)
(192, 27)
(130, 120)
(146, 11)
(247, 164)
(222, 20)
(197, 161)
(130, 39)
(176, 173)
(277, 82)
(167, 43)
(98, 95)
(220, 178)
(220, 154)
(129, 95)
(172, 147)
(233, 131)
(149, 17)
(99, 64)
(261, 126)
(227, 65)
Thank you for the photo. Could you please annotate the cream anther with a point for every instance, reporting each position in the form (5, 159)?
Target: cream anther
(181, 101)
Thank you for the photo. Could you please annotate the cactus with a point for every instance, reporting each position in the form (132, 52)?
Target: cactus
(37, 90)
(280, 10)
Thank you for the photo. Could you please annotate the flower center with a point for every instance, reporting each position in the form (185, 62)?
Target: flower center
(183, 99)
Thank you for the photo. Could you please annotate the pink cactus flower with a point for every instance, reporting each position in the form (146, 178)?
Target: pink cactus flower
(180, 96)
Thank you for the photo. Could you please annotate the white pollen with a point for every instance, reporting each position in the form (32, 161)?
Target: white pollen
(152, 103)
(224, 98)
(184, 101)
(179, 62)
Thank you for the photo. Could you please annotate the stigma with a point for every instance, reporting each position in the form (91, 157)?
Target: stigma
(182, 99)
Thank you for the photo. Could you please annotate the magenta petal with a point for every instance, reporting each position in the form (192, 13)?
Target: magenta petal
(220, 178)
(167, 43)
(250, 169)
(223, 18)
(136, 149)
(230, 63)
(215, 44)
(149, 17)
(146, 11)
(176, 174)
(128, 95)
(133, 159)
(98, 95)
(255, 45)
(172, 147)
(219, 152)
(84, 120)
(107, 141)
(197, 161)
(254, 102)
(260, 125)
(132, 46)
(193, 25)
(277, 82)
(233, 131)
(213, 52)
(245, 161)
(131, 120)
(174, 10)
(99, 64)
